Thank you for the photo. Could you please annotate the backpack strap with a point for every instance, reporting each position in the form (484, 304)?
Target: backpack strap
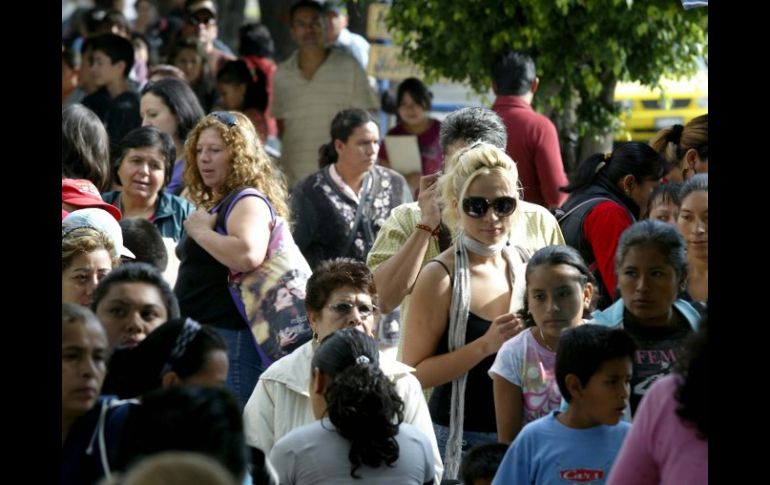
(566, 214)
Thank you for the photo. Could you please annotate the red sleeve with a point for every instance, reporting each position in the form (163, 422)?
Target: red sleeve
(549, 166)
(602, 228)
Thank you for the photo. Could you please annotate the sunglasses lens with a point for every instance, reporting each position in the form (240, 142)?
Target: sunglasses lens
(504, 206)
(475, 206)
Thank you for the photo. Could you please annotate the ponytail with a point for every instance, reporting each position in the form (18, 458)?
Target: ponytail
(586, 172)
(327, 154)
(362, 405)
(362, 401)
(632, 158)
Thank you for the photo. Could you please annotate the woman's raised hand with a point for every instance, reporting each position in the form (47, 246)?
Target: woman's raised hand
(502, 328)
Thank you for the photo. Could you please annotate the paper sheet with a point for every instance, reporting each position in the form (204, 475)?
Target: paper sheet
(403, 153)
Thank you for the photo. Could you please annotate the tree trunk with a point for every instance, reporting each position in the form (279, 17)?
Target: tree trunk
(565, 123)
(600, 140)
(275, 16)
(229, 21)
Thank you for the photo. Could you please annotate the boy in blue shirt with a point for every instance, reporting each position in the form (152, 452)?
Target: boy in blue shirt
(579, 445)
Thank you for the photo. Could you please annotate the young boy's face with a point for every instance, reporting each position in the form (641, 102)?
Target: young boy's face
(104, 71)
(605, 396)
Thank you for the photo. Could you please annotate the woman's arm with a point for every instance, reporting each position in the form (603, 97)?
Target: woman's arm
(396, 275)
(508, 408)
(428, 318)
(248, 232)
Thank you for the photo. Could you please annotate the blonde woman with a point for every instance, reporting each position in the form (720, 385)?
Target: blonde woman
(464, 301)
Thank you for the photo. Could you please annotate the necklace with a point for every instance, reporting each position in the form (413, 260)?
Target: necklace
(545, 342)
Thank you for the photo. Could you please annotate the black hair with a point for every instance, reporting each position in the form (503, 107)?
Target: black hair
(181, 100)
(254, 39)
(92, 18)
(117, 48)
(583, 349)
(137, 273)
(664, 194)
(696, 183)
(552, 256)
(692, 393)
(362, 402)
(238, 72)
(337, 273)
(632, 158)
(418, 91)
(305, 4)
(143, 239)
(111, 19)
(473, 124)
(135, 372)
(146, 136)
(664, 236)
(343, 125)
(206, 420)
(513, 73)
(482, 462)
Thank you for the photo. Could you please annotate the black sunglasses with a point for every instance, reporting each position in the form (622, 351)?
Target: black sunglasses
(343, 308)
(477, 207)
(228, 119)
(201, 19)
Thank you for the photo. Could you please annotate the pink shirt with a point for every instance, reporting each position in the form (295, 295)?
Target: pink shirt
(661, 448)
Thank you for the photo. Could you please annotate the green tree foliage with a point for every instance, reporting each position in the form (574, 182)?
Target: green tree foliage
(581, 47)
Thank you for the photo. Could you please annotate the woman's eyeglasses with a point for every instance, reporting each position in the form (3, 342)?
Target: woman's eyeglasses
(228, 119)
(477, 207)
(343, 308)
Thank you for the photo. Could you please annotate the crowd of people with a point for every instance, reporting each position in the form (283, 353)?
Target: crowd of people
(252, 294)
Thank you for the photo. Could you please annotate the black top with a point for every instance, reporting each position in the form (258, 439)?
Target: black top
(479, 398)
(658, 350)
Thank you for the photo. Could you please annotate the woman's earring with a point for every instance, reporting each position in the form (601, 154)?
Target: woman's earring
(315, 337)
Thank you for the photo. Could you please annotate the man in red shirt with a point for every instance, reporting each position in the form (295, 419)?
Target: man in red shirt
(533, 142)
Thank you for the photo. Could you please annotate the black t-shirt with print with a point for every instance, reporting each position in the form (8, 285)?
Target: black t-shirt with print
(658, 350)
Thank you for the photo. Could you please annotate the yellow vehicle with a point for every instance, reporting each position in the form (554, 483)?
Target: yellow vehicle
(645, 111)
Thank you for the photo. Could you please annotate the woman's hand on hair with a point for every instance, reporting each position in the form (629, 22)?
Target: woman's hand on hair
(501, 329)
(198, 222)
(428, 200)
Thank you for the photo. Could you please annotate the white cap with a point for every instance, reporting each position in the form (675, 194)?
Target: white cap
(101, 220)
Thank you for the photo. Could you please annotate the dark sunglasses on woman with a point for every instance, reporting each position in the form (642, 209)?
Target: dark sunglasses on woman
(477, 207)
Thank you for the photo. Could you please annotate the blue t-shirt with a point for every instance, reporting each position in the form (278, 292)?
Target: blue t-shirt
(548, 452)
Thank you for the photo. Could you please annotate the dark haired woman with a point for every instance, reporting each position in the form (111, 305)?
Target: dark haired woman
(339, 209)
(340, 294)
(145, 161)
(360, 432)
(606, 196)
(413, 101)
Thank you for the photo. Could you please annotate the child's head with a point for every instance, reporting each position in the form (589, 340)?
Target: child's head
(481, 463)
(559, 289)
(593, 371)
(240, 87)
(664, 202)
(112, 59)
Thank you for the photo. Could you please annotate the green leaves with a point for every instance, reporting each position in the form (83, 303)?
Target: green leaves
(579, 46)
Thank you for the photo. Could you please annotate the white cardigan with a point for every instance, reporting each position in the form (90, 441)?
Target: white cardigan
(281, 401)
